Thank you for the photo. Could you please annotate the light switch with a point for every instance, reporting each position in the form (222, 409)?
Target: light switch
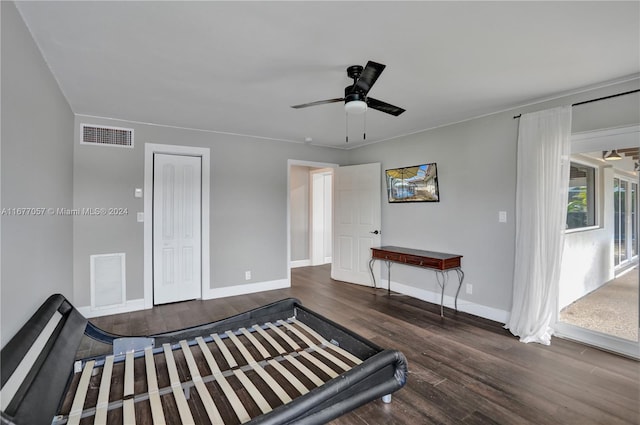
(140, 217)
(137, 193)
(502, 216)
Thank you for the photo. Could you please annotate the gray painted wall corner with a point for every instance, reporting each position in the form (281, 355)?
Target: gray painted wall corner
(37, 172)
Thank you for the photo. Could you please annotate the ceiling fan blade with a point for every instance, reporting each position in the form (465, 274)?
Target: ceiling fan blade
(369, 76)
(319, 102)
(384, 107)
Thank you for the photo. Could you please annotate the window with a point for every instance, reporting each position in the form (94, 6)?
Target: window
(581, 207)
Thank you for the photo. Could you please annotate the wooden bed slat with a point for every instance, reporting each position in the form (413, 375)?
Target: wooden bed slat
(253, 391)
(81, 393)
(280, 392)
(323, 341)
(279, 348)
(284, 336)
(176, 386)
(103, 394)
(263, 351)
(209, 405)
(128, 408)
(320, 350)
(224, 350)
(333, 359)
(289, 376)
(305, 370)
(152, 387)
(229, 393)
(317, 363)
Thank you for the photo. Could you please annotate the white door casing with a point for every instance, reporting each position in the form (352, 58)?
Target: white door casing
(357, 221)
(176, 228)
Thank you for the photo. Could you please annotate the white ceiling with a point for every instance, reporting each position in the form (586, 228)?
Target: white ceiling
(236, 67)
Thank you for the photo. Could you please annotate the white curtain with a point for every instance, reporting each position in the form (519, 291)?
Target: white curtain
(544, 146)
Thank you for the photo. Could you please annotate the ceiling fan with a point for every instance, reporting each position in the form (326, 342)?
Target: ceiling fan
(355, 96)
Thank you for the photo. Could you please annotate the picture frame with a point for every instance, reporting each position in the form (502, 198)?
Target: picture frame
(417, 183)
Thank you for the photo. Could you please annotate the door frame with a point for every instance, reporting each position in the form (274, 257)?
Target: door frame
(290, 163)
(204, 153)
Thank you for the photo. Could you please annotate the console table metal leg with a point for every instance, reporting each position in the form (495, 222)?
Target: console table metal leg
(388, 277)
(442, 278)
(460, 280)
(373, 277)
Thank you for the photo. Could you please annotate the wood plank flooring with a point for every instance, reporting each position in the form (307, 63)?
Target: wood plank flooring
(462, 369)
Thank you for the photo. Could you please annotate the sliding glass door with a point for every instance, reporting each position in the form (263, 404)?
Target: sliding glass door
(625, 221)
(634, 219)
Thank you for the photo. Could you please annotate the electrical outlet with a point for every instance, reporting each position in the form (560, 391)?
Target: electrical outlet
(469, 288)
(502, 216)
(247, 275)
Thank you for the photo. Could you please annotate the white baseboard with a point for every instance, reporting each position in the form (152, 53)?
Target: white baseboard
(250, 288)
(127, 307)
(490, 313)
(300, 263)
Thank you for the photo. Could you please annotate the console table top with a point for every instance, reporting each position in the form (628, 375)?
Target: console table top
(418, 252)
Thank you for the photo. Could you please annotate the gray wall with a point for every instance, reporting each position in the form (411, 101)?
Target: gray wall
(248, 205)
(477, 177)
(37, 171)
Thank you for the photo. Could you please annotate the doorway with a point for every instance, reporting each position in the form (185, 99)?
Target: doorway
(355, 218)
(310, 210)
(599, 291)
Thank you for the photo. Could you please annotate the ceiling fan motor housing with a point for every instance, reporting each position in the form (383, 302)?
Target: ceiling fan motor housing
(351, 94)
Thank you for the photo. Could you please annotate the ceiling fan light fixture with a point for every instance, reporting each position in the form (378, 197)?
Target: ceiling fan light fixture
(355, 107)
(613, 156)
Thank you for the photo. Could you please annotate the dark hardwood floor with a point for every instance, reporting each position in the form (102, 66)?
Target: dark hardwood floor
(462, 369)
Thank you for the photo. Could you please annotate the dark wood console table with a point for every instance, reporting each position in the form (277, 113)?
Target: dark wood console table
(439, 262)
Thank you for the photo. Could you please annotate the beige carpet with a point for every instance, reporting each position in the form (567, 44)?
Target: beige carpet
(611, 309)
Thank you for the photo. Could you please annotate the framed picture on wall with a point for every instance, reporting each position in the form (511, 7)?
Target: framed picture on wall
(418, 183)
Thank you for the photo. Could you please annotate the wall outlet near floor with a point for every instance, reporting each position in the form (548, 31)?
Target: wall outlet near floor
(247, 275)
(469, 288)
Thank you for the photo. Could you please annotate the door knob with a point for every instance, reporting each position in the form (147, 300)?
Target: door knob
(375, 232)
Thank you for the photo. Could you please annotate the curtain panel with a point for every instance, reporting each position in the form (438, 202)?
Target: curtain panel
(544, 146)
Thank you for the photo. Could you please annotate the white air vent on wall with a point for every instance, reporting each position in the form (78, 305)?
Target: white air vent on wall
(106, 136)
(108, 282)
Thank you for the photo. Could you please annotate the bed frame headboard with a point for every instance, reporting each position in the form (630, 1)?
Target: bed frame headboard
(37, 363)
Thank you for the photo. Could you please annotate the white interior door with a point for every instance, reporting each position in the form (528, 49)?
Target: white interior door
(177, 201)
(356, 221)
